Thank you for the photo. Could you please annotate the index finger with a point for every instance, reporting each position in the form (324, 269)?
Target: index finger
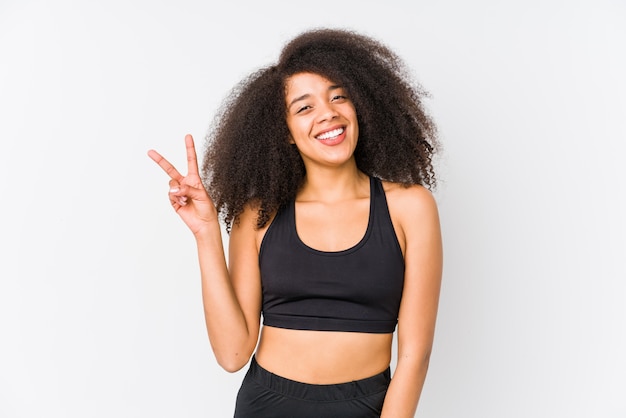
(192, 159)
(165, 165)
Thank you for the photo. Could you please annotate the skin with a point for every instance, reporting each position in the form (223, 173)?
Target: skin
(332, 214)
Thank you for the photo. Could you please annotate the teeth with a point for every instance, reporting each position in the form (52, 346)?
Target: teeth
(331, 134)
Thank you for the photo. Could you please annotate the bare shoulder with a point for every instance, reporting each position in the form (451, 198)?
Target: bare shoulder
(412, 201)
(413, 212)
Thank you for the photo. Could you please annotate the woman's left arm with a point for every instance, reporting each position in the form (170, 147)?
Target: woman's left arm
(416, 220)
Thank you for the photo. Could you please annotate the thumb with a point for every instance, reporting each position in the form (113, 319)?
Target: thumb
(174, 184)
(184, 190)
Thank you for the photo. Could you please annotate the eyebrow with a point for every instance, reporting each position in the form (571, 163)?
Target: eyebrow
(307, 95)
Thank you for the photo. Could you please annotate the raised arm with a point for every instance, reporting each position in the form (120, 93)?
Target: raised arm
(417, 222)
(231, 301)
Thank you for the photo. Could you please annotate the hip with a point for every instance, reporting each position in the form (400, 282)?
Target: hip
(265, 394)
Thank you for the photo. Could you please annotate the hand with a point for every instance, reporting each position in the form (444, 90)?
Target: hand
(187, 193)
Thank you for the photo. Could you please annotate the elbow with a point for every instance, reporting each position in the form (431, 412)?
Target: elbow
(417, 361)
(233, 363)
(425, 360)
(232, 367)
(231, 355)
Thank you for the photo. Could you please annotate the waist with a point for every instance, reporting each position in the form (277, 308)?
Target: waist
(319, 393)
(323, 357)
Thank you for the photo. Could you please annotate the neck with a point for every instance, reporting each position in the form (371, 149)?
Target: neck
(334, 184)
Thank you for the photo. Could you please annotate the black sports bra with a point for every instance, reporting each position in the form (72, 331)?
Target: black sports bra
(357, 289)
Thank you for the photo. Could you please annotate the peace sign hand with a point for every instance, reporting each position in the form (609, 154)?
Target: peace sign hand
(187, 193)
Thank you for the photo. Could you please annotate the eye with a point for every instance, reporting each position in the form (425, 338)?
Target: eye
(339, 98)
(302, 109)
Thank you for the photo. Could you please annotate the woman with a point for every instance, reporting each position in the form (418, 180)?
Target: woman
(319, 166)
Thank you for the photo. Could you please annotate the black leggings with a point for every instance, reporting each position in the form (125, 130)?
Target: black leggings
(264, 395)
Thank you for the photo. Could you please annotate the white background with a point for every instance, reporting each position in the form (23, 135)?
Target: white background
(100, 310)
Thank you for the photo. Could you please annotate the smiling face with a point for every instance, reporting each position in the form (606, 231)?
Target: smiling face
(321, 119)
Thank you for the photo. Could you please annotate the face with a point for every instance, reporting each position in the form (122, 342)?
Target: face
(321, 119)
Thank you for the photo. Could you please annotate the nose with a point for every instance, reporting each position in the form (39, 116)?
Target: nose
(326, 112)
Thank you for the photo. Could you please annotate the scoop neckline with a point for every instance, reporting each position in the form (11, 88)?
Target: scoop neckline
(353, 248)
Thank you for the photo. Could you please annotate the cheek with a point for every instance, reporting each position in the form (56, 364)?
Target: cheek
(293, 131)
(297, 128)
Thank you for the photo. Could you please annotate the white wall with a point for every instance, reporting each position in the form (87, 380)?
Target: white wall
(100, 311)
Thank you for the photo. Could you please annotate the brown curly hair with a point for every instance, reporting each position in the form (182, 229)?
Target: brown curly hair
(249, 159)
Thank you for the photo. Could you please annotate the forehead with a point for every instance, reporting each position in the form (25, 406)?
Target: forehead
(307, 83)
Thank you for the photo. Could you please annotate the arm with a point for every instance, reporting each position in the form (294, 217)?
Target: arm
(418, 220)
(231, 299)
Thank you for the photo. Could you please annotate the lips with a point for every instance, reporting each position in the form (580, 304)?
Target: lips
(332, 136)
(334, 133)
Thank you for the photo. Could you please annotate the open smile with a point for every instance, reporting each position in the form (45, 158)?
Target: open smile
(330, 134)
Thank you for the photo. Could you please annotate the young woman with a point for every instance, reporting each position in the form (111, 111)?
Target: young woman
(319, 166)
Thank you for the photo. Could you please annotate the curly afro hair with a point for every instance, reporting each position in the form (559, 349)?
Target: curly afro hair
(248, 158)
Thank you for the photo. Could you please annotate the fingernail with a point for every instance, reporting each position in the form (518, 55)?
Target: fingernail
(174, 190)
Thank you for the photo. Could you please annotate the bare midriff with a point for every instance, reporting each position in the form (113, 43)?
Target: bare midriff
(323, 357)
